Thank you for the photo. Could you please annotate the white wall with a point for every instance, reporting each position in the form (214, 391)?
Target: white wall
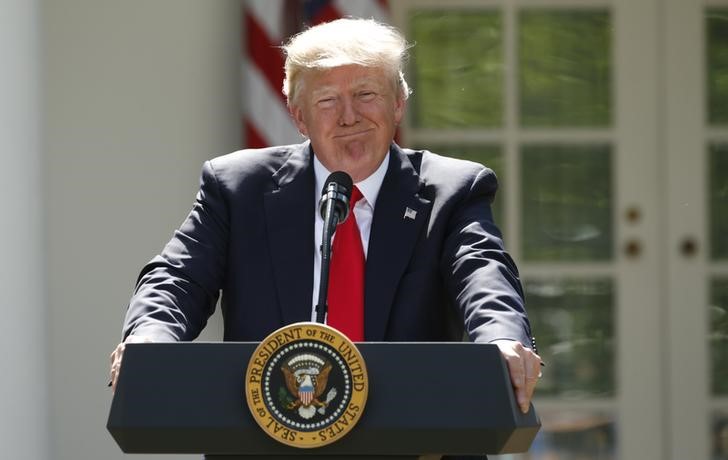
(23, 389)
(138, 94)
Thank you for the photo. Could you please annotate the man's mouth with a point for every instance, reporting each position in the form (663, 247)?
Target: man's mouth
(353, 133)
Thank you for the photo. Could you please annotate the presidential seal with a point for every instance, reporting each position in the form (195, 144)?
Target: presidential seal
(306, 385)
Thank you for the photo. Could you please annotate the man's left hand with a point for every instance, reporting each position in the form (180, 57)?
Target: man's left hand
(524, 367)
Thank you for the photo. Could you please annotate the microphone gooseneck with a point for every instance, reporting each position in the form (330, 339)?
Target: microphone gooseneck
(334, 209)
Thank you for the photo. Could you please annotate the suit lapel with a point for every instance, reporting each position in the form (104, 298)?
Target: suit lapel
(289, 212)
(399, 216)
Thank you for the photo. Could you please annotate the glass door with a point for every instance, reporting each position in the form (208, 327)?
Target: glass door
(560, 98)
(696, 202)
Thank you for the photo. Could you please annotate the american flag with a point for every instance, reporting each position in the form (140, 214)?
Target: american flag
(306, 394)
(268, 23)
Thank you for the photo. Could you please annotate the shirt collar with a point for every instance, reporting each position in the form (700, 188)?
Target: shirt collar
(369, 187)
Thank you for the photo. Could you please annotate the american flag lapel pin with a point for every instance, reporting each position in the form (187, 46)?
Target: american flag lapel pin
(410, 213)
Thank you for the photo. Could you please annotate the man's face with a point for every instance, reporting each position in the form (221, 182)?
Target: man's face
(350, 113)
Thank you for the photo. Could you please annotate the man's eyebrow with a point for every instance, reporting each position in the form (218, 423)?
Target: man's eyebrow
(365, 81)
(320, 90)
(356, 84)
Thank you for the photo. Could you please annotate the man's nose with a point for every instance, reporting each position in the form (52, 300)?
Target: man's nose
(349, 114)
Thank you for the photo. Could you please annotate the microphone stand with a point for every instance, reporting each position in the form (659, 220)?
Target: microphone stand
(328, 233)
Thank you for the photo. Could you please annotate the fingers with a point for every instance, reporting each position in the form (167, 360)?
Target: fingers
(532, 366)
(524, 367)
(117, 355)
(115, 358)
(518, 369)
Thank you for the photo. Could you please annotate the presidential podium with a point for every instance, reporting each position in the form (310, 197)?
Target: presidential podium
(424, 399)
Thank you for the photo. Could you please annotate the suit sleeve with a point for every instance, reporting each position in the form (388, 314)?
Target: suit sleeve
(176, 292)
(482, 280)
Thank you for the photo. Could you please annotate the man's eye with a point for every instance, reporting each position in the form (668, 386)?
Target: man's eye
(326, 102)
(367, 95)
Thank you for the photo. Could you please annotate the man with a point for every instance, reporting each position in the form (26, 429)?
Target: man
(435, 262)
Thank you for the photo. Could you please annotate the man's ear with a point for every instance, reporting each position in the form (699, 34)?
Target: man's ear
(399, 106)
(297, 115)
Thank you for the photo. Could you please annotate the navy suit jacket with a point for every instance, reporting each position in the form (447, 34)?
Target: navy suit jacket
(250, 235)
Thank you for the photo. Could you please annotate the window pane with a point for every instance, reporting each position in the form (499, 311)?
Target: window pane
(573, 322)
(488, 155)
(719, 438)
(571, 436)
(565, 68)
(457, 69)
(566, 202)
(717, 42)
(718, 177)
(719, 335)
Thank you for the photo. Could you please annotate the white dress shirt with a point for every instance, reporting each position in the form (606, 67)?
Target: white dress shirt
(363, 210)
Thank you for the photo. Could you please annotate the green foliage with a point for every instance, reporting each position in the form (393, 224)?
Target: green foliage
(573, 321)
(716, 28)
(719, 335)
(284, 397)
(457, 69)
(566, 202)
(565, 68)
(718, 199)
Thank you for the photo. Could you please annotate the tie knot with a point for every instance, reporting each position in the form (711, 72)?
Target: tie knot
(355, 196)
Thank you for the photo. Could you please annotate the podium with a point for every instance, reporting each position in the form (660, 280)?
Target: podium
(424, 399)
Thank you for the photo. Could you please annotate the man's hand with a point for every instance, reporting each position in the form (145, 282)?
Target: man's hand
(525, 368)
(118, 354)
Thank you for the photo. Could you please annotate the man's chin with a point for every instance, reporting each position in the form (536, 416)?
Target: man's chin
(362, 170)
(355, 158)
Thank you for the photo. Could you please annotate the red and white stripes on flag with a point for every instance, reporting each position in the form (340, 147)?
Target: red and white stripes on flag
(268, 23)
(306, 396)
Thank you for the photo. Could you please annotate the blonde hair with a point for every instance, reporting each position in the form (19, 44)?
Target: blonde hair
(347, 41)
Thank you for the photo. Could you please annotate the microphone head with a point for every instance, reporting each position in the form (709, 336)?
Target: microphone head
(342, 179)
(337, 188)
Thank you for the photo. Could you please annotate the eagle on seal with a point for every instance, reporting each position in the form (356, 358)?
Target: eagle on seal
(306, 377)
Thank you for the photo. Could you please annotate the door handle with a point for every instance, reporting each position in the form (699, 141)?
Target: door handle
(633, 248)
(688, 247)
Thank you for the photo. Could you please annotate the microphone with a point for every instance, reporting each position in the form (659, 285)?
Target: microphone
(334, 209)
(336, 193)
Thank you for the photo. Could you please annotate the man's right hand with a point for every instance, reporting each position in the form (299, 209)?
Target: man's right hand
(118, 354)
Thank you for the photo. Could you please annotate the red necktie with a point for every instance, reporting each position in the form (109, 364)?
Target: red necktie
(346, 278)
